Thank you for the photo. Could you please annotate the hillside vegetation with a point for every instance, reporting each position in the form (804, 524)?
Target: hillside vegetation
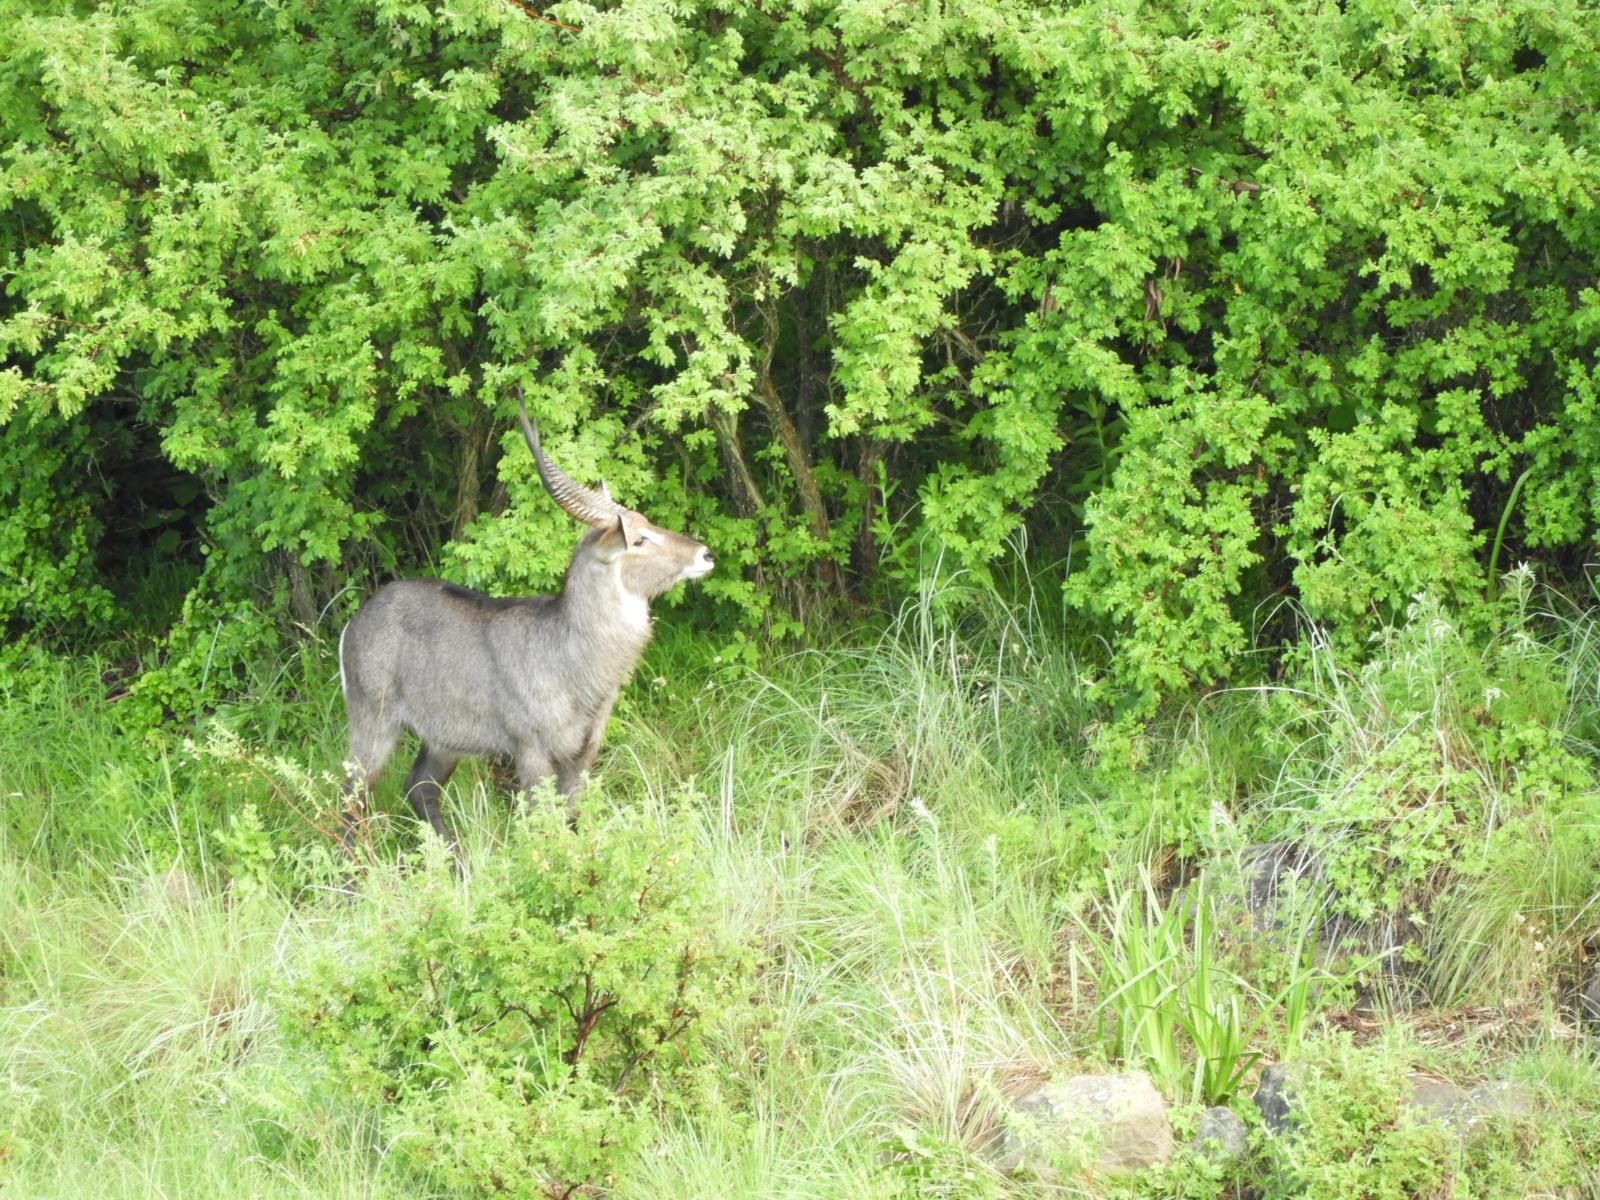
(1151, 454)
(848, 904)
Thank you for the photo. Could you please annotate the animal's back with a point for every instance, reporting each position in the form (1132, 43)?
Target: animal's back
(440, 660)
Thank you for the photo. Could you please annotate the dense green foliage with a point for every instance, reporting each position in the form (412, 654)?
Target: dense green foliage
(512, 1026)
(1261, 298)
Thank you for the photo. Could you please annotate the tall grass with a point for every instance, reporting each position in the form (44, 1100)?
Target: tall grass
(134, 1008)
(905, 827)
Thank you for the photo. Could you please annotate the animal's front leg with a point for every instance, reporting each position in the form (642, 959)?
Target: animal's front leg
(570, 772)
(569, 782)
(533, 768)
(569, 778)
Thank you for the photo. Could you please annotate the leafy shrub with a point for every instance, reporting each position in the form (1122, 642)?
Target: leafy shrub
(1355, 1137)
(819, 285)
(48, 534)
(1349, 1140)
(1425, 774)
(516, 1027)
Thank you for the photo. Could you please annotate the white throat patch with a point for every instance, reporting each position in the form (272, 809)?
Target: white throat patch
(632, 608)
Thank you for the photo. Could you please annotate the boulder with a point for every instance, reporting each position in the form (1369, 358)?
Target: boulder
(1275, 1096)
(1464, 1109)
(1222, 1136)
(1271, 868)
(1121, 1116)
(1589, 1004)
(1278, 877)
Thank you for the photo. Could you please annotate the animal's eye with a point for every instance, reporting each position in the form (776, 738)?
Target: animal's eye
(639, 541)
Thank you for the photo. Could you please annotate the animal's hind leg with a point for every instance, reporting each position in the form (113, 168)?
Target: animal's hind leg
(425, 785)
(569, 782)
(369, 750)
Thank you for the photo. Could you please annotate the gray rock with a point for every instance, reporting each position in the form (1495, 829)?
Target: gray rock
(1285, 887)
(1275, 1096)
(1589, 1004)
(1122, 1116)
(1464, 1109)
(1222, 1136)
(1272, 868)
(1432, 1100)
(1498, 1100)
(1006, 1149)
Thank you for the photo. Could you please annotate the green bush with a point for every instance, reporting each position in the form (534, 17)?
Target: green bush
(48, 535)
(1439, 791)
(518, 1027)
(1245, 300)
(1350, 1141)
(1355, 1137)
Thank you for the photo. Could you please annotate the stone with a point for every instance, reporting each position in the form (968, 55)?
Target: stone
(1434, 1100)
(1122, 1116)
(1271, 868)
(1221, 1137)
(1285, 887)
(1589, 1004)
(1498, 1100)
(1465, 1109)
(1275, 1095)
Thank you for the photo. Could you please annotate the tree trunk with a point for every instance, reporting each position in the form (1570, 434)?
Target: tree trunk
(747, 497)
(794, 448)
(866, 548)
(468, 478)
(302, 596)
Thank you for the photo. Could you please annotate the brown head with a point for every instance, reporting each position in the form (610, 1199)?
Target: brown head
(648, 560)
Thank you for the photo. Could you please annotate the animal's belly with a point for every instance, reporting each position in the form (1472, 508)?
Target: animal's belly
(460, 729)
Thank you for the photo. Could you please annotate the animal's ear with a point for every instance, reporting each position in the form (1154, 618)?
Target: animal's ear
(605, 491)
(614, 540)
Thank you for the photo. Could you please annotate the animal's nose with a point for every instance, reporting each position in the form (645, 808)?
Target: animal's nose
(707, 558)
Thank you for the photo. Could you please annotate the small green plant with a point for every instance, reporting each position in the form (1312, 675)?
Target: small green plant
(1352, 1141)
(928, 1165)
(247, 851)
(517, 1026)
(1175, 1005)
(1137, 962)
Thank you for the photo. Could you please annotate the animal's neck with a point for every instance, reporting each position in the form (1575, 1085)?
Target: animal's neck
(607, 628)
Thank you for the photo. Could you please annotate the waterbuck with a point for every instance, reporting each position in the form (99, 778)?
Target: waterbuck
(530, 679)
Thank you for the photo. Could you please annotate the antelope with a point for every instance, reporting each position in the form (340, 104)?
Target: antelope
(530, 679)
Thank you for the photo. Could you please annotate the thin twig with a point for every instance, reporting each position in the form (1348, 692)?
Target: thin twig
(539, 16)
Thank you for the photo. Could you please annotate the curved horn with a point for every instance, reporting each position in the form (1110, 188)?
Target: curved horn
(589, 507)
